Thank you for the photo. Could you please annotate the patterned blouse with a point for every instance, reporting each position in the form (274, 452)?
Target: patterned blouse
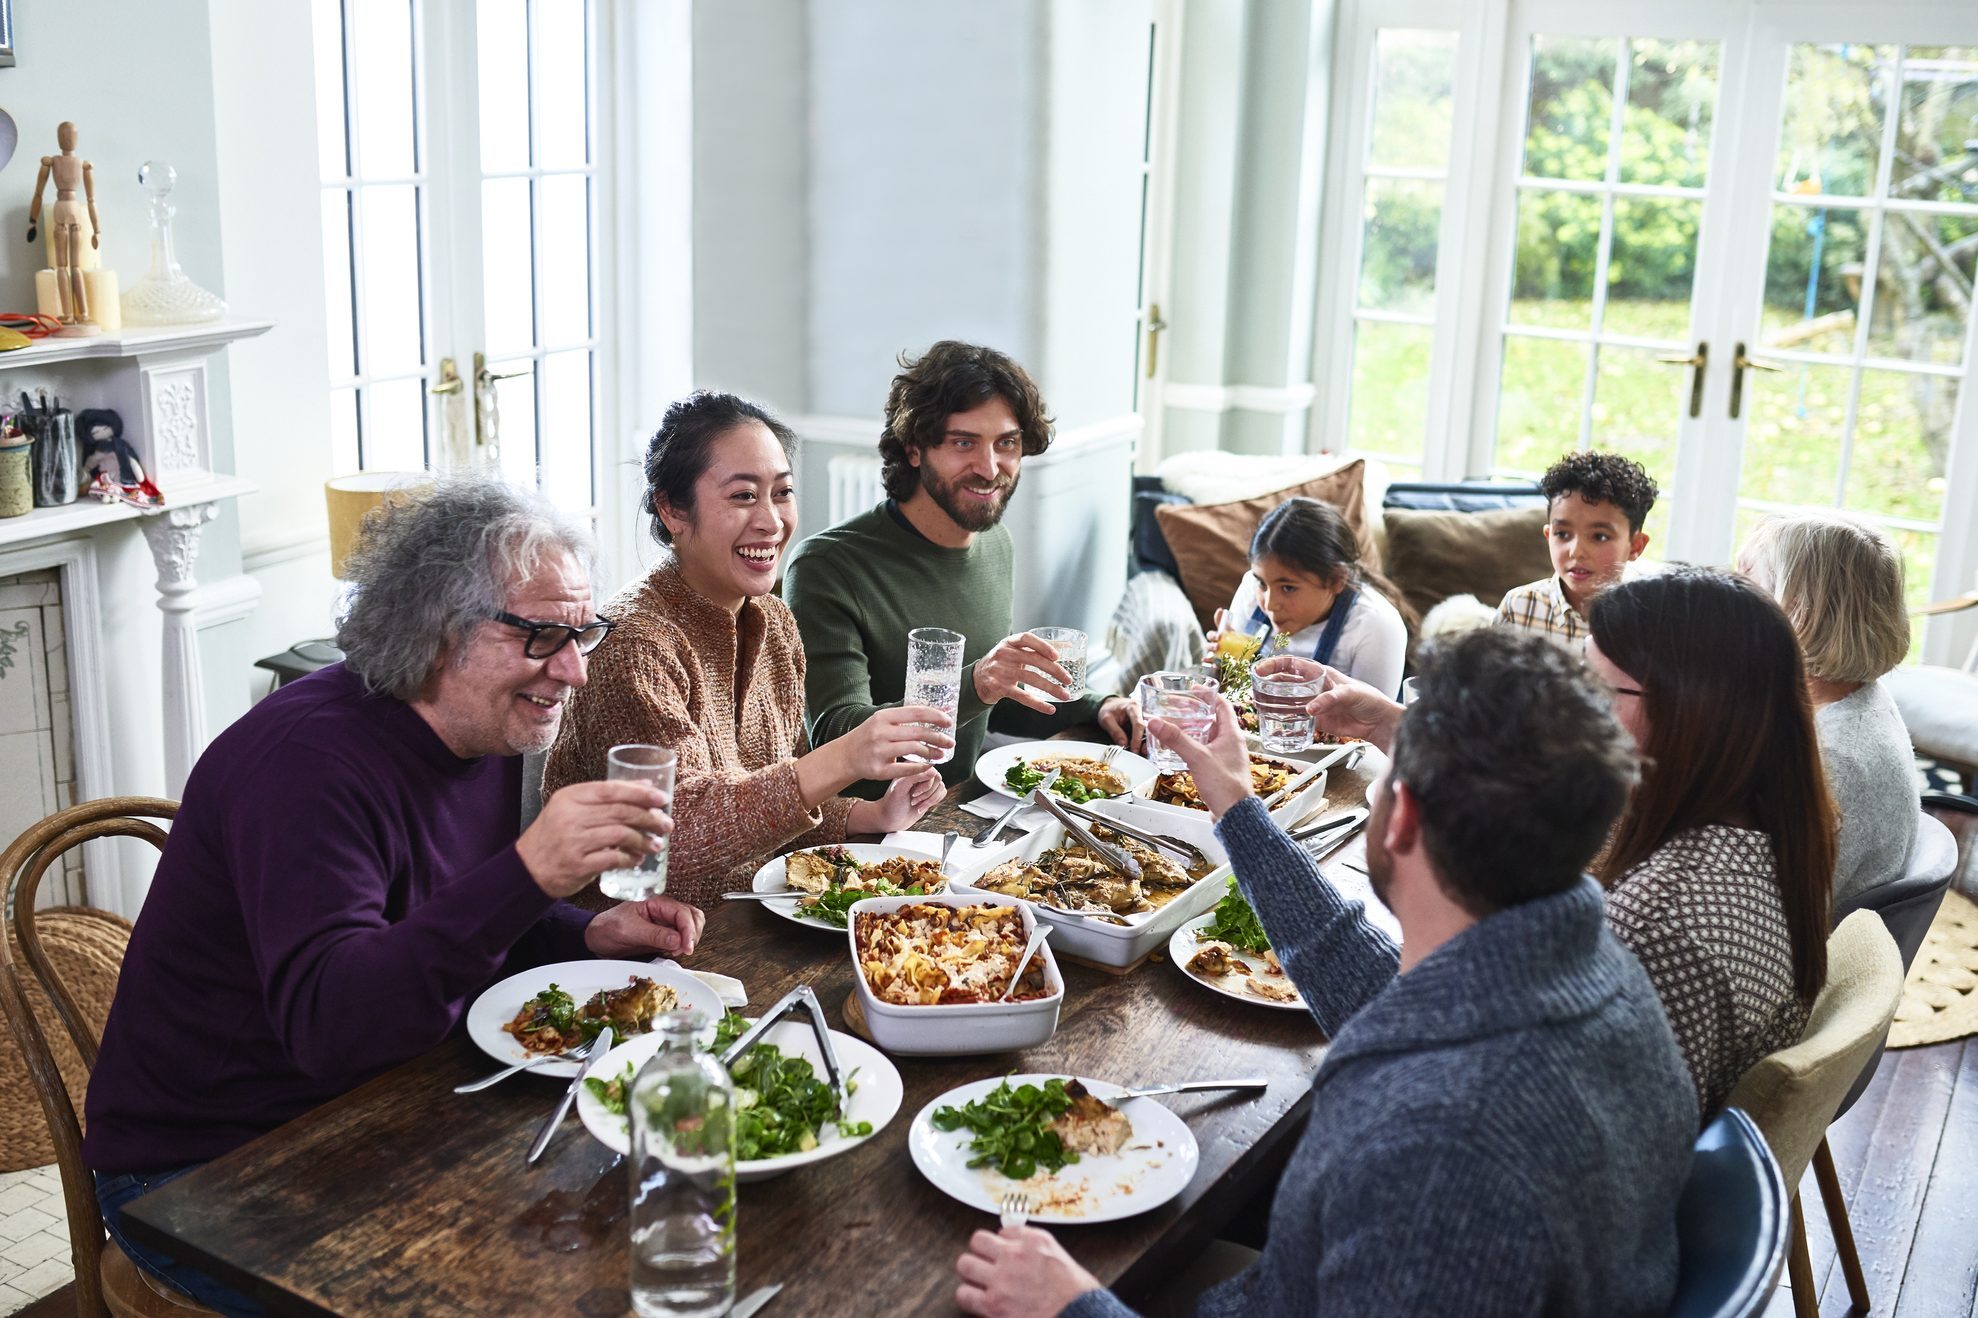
(1704, 916)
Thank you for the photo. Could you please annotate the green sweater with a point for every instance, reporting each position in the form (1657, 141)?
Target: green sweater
(859, 587)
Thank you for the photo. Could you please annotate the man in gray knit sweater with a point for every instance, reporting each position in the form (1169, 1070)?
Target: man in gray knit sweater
(1503, 1122)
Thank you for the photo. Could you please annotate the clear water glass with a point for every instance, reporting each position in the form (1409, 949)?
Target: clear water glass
(653, 766)
(682, 1171)
(934, 677)
(1284, 719)
(1186, 699)
(1069, 642)
(1411, 690)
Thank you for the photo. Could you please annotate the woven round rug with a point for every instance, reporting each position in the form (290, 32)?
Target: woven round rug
(87, 947)
(1940, 997)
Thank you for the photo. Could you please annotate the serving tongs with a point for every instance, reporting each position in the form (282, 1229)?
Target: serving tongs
(1297, 784)
(1113, 858)
(1188, 851)
(800, 997)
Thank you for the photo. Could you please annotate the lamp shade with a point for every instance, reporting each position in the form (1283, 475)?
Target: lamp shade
(351, 497)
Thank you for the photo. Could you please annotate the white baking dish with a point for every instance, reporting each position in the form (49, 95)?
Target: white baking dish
(950, 1029)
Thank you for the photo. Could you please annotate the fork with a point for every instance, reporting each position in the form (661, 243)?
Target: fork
(1112, 753)
(577, 1054)
(1016, 1208)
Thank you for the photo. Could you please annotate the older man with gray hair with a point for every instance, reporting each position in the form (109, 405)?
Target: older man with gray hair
(345, 874)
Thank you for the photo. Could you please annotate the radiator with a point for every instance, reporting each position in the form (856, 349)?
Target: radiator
(855, 486)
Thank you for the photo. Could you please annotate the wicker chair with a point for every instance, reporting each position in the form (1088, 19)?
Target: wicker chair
(107, 1282)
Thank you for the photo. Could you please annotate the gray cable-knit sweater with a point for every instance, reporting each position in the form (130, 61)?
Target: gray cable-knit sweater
(1503, 1130)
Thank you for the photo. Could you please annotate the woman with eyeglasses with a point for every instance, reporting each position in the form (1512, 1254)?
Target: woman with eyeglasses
(704, 659)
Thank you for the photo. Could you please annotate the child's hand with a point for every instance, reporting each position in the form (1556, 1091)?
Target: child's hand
(1215, 638)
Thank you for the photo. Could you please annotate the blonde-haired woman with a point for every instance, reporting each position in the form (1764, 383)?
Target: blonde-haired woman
(1839, 579)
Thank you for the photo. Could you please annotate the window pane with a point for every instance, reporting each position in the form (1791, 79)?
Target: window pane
(388, 219)
(1571, 107)
(1651, 269)
(1413, 87)
(341, 332)
(567, 429)
(332, 147)
(1812, 279)
(1558, 246)
(1919, 571)
(395, 426)
(502, 31)
(343, 431)
(1672, 91)
(566, 259)
(1792, 444)
(1923, 289)
(1638, 406)
(1935, 158)
(561, 86)
(516, 403)
(1390, 402)
(505, 266)
(1831, 135)
(381, 62)
(1901, 437)
(1540, 397)
(1397, 257)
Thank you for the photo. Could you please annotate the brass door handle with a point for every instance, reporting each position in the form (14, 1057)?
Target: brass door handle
(1697, 362)
(1154, 327)
(1739, 364)
(450, 381)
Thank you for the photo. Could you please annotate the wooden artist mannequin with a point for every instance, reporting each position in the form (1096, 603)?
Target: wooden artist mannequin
(72, 174)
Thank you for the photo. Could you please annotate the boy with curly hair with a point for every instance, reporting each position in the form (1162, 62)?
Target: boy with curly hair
(1595, 506)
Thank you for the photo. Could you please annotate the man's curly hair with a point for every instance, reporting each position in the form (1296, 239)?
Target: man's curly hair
(952, 377)
(1602, 478)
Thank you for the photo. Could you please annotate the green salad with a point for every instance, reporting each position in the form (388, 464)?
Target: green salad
(1235, 923)
(834, 905)
(1012, 1128)
(1023, 779)
(780, 1104)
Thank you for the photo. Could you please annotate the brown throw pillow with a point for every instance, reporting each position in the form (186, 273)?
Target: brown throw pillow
(1211, 542)
(1433, 555)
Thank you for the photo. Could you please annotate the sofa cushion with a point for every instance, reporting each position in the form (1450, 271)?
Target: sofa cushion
(1433, 555)
(1211, 542)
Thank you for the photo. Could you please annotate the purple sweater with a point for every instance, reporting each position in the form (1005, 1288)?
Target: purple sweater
(337, 888)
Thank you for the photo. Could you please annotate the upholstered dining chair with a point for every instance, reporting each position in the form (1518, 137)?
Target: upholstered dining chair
(1939, 703)
(107, 1282)
(1794, 1094)
(1730, 1224)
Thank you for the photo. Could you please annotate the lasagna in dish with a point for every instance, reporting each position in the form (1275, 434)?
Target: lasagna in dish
(924, 954)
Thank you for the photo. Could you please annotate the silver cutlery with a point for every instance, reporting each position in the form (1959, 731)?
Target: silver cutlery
(948, 840)
(754, 1300)
(1188, 851)
(988, 835)
(1297, 784)
(1189, 1087)
(800, 998)
(1112, 753)
(1037, 936)
(1347, 821)
(577, 1054)
(1114, 858)
(1016, 1208)
(548, 1132)
(777, 895)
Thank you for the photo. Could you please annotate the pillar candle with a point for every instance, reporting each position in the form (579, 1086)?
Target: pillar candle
(106, 309)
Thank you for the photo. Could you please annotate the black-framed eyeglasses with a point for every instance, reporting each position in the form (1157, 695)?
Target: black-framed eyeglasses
(546, 638)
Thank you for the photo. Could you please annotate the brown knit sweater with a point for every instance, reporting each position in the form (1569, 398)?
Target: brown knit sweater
(727, 693)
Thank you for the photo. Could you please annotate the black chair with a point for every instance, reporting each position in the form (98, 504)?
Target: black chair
(1731, 1223)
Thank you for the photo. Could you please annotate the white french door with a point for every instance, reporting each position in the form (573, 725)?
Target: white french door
(1159, 113)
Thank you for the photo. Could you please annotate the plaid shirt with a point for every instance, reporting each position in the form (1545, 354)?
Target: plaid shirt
(1541, 607)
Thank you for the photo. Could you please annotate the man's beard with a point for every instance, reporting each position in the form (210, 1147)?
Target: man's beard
(1380, 869)
(968, 514)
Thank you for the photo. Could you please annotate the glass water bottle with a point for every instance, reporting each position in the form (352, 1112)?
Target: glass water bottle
(682, 1109)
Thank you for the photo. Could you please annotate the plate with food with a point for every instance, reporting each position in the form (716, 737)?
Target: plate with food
(547, 1011)
(787, 1116)
(930, 974)
(824, 882)
(1268, 774)
(1084, 771)
(1228, 950)
(1068, 1142)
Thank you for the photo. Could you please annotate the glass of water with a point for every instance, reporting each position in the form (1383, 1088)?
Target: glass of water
(1284, 719)
(1411, 690)
(1186, 699)
(1069, 642)
(653, 766)
(934, 676)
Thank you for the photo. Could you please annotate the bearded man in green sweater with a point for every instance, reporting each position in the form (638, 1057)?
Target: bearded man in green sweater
(960, 419)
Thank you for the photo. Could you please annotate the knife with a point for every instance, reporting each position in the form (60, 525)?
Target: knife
(988, 835)
(753, 1301)
(548, 1131)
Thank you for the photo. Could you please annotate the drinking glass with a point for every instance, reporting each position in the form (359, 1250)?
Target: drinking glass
(1284, 721)
(1186, 699)
(653, 766)
(1069, 642)
(934, 677)
(1411, 690)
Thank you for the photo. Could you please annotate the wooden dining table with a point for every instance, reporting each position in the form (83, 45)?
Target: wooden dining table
(402, 1196)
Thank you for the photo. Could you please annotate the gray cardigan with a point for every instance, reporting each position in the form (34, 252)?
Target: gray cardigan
(1871, 772)
(1503, 1130)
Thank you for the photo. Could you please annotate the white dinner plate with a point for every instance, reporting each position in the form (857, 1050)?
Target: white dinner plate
(1182, 946)
(991, 766)
(1155, 1165)
(580, 979)
(770, 878)
(876, 1097)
